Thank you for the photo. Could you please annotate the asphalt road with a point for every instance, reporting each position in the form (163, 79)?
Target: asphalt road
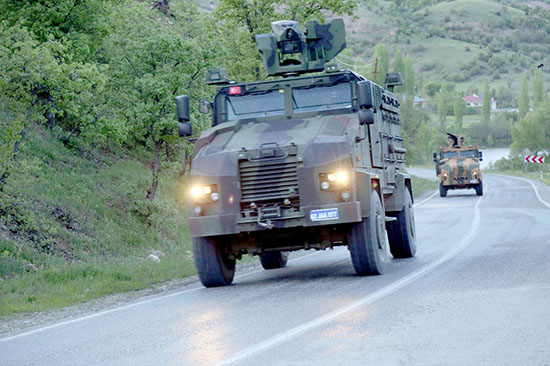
(477, 293)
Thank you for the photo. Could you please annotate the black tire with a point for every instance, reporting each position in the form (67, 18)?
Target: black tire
(402, 232)
(367, 241)
(479, 189)
(273, 260)
(214, 266)
(442, 190)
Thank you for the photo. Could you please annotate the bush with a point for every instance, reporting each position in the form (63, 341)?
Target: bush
(516, 162)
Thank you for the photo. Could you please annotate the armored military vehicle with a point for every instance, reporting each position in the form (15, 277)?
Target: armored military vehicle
(310, 159)
(457, 166)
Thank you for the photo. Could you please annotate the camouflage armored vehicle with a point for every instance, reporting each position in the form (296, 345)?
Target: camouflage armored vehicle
(457, 166)
(303, 161)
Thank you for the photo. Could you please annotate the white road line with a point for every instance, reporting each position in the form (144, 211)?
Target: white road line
(129, 306)
(424, 200)
(384, 291)
(532, 185)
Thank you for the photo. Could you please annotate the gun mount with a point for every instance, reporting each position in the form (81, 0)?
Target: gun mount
(455, 140)
(286, 51)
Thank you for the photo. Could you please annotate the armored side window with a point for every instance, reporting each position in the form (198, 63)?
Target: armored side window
(322, 98)
(257, 105)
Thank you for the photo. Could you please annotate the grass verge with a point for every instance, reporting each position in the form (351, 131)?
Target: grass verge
(529, 175)
(422, 185)
(77, 226)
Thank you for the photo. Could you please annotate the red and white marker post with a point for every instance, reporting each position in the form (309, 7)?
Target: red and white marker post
(535, 159)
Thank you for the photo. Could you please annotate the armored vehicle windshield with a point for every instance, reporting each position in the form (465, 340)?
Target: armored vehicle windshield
(296, 97)
(449, 154)
(462, 153)
(255, 105)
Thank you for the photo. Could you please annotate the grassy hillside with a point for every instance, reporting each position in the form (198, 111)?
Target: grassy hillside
(460, 41)
(78, 227)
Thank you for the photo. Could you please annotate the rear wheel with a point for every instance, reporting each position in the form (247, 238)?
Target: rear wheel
(214, 265)
(479, 189)
(273, 260)
(367, 241)
(402, 232)
(442, 190)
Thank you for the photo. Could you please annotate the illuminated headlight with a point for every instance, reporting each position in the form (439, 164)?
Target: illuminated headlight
(196, 193)
(201, 193)
(334, 180)
(342, 178)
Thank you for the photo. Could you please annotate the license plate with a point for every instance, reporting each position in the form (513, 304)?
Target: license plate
(325, 214)
(473, 180)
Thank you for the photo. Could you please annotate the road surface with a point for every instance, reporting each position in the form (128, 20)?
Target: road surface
(477, 293)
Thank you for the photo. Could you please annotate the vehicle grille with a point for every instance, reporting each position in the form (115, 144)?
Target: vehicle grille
(268, 181)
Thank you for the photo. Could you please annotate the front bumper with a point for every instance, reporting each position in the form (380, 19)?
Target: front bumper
(233, 223)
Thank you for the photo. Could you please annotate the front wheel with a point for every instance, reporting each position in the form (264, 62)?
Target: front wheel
(479, 189)
(367, 241)
(215, 266)
(402, 232)
(442, 190)
(273, 260)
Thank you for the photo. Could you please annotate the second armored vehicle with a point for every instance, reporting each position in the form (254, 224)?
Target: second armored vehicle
(457, 166)
(299, 162)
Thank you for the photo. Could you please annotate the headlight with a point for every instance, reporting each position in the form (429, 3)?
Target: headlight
(200, 193)
(334, 180)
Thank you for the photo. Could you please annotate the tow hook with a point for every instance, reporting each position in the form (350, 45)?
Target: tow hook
(265, 213)
(268, 224)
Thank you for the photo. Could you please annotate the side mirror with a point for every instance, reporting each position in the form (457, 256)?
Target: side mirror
(364, 94)
(185, 129)
(435, 157)
(366, 117)
(480, 155)
(182, 105)
(205, 106)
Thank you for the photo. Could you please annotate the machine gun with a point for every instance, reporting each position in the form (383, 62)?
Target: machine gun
(286, 51)
(455, 140)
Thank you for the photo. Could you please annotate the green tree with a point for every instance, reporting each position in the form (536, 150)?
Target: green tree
(523, 99)
(486, 108)
(459, 108)
(399, 66)
(79, 25)
(419, 136)
(410, 80)
(538, 92)
(432, 88)
(382, 63)
(149, 66)
(442, 106)
(40, 82)
(533, 132)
